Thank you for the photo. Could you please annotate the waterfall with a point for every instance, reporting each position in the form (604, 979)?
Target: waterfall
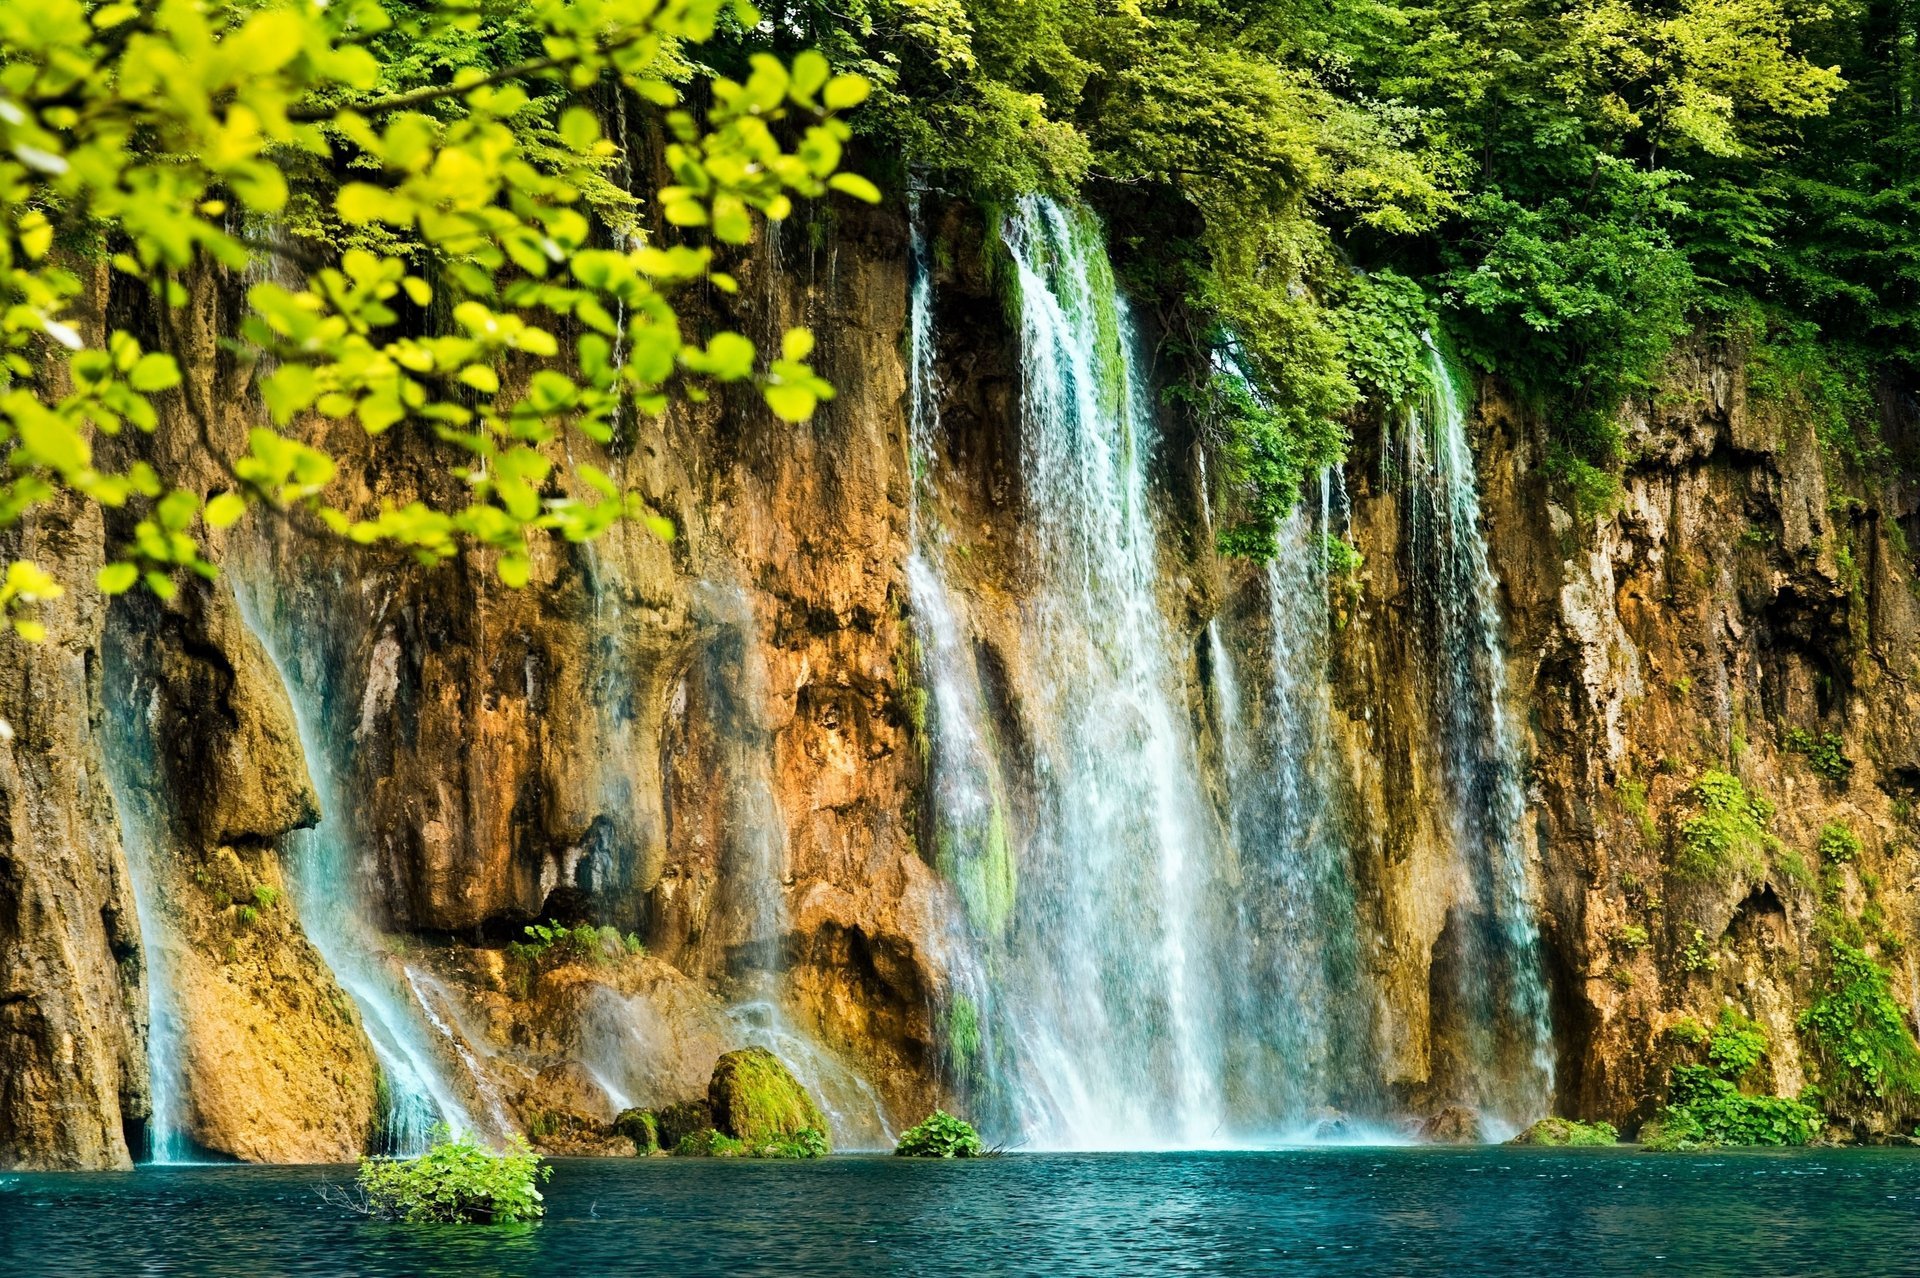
(129, 757)
(1109, 966)
(329, 899)
(1493, 964)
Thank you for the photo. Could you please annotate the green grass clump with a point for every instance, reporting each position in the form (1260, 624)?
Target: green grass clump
(940, 1135)
(456, 1182)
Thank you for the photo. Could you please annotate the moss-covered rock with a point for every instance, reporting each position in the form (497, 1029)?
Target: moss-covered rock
(1569, 1132)
(708, 1143)
(756, 1100)
(680, 1120)
(642, 1127)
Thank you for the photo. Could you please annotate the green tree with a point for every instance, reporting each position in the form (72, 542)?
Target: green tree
(165, 141)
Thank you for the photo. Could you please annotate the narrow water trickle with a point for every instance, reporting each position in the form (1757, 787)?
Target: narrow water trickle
(1497, 1015)
(329, 897)
(129, 757)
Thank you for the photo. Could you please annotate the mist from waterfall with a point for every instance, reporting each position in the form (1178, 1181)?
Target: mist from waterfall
(1494, 965)
(330, 899)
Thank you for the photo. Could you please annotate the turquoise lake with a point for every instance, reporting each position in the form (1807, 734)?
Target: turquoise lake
(1334, 1211)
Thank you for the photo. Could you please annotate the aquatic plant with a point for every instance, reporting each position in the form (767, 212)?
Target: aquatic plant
(940, 1135)
(456, 1182)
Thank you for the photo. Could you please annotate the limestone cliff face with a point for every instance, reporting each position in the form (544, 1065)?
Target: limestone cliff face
(1749, 608)
(72, 992)
(707, 745)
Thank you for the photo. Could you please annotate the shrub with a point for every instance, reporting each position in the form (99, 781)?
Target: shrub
(1860, 1032)
(457, 1182)
(1826, 754)
(1727, 833)
(1838, 844)
(805, 1143)
(564, 944)
(940, 1135)
(1632, 936)
(1707, 1108)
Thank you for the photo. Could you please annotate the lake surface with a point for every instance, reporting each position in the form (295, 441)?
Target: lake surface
(1339, 1211)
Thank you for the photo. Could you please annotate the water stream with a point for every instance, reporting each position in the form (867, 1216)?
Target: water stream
(330, 898)
(1498, 989)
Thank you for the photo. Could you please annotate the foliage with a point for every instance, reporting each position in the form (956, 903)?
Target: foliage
(709, 1143)
(1727, 833)
(1826, 753)
(582, 943)
(940, 1135)
(1697, 955)
(1860, 1032)
(1708, 1106)
(1838, 844)
(166, 141)
(1632, 936)
(457, 1182)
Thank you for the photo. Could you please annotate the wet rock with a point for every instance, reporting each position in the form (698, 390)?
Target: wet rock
(682, 1119)
(642, 1127)
(1454, 1125)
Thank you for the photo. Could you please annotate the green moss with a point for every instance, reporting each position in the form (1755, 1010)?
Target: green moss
(708, 1143)
(1633, 797)
(1727, 834)
(641, 1127)
(1567, 1133)
(978, 861)
(757, 1101)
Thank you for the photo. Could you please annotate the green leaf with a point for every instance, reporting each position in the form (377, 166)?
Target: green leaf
(845, 92)
(116, 578)
(224, 510)
(154, 372)
(515, 570)
(856, 186)
(790, 403)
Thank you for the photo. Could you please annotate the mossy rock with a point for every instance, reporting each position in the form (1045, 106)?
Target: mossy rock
(1567, 1132)
(756, 1100)
(708, 1143)
(642, 1127)
(680, 1120)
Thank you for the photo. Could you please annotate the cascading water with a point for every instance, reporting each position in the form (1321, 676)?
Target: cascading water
(1110, 980)
(327, 894)
(1500, 1017)
(750, 921)
(129, 756)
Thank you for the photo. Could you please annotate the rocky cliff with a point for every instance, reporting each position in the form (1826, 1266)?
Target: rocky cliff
(710, 747)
